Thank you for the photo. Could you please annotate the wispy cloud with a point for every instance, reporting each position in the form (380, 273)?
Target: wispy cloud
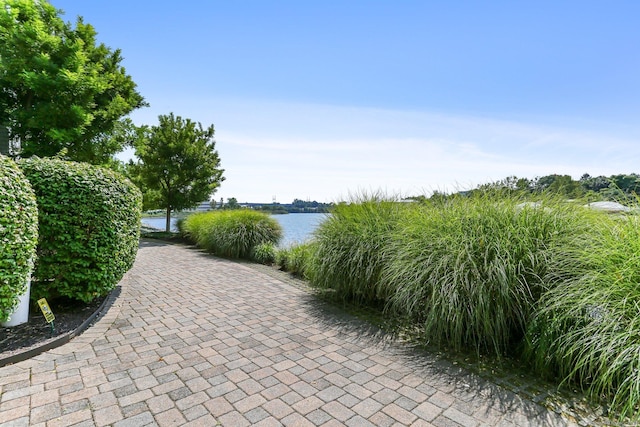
(324, 152)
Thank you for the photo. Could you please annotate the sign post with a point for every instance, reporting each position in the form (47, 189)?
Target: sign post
(48, 314)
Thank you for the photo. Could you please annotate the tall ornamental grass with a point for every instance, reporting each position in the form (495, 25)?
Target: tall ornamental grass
(469, 270)
(552, 283)
(264, 253)
(295, 259)
(232, 233)
(350, 246)
(587, 329)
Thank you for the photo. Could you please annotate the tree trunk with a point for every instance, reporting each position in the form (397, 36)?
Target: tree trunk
(168, 226)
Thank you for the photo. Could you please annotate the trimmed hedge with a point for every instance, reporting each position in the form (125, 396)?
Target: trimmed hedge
(89, 219)
(18, 234)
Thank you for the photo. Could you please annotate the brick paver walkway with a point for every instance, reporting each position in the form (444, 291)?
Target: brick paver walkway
(196, 340)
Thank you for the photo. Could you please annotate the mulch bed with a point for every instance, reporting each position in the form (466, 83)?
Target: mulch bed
(69, 315)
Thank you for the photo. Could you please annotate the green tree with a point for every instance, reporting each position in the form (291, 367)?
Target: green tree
(509, 185)
(562, 185)
(566, 186)
(59, 89)
(595, 184)
(232, 203)
(543, 183)
(178, 165)
(629, 184)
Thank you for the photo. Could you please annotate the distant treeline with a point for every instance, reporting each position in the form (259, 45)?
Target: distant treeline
(298, 206)
(621, 188)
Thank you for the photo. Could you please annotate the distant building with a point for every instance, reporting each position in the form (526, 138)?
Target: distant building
(203, 206)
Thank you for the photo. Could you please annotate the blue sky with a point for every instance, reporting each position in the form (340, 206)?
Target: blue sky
(322, 99)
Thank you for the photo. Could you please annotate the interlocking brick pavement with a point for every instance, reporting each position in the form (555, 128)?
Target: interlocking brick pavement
(200, 341)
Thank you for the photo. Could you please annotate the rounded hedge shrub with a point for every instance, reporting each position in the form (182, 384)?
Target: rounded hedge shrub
(89, 220)
(232, 233)
(18, 234)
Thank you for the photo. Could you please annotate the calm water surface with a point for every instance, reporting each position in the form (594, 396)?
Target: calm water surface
(159, 223)
(297, 227)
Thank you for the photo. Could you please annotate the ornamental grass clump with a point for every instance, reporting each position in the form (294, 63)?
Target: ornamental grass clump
(587, 328)
(232, 233)
(264, 253)
(295, 259)
(350, 247)
(467, 271)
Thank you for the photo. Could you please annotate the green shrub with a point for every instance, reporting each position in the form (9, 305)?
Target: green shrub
(295, 259)
(469, 270)
(264, 253)
(350, 247)
(18, 234)
(232, 233)
(586, 331)
(180, 226)
(89, 221)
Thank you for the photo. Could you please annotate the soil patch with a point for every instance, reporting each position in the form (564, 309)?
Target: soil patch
(69, 316)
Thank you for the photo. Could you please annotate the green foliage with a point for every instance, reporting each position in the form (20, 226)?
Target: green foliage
(350, 248)
(619, 188)
(295, 259)
(551, 283)
(274, 209)
(301, 206)
(594, 183)
(470, 270)
(89, 221)
(180, 226)
(60, 89)
(587, 328)
(178, 167)
(18, 234)
(264, 253)
(232, 203)
(562, 185)
(232, 233)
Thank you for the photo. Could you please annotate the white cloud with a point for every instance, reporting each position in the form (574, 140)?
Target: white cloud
(325, 153)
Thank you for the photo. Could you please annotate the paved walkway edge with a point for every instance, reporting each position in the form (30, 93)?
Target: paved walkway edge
(60, 340)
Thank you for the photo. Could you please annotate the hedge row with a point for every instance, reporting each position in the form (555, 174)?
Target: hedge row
(18, 234)
(89, 222)
(79, 223)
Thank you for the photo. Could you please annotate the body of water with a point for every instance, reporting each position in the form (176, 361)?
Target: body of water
(297, 227)
(159, 223)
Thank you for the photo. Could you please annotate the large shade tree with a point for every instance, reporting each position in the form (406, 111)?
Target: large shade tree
(60, 91)
(178, 166)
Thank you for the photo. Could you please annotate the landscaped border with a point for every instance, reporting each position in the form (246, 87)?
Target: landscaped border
(54, 342)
